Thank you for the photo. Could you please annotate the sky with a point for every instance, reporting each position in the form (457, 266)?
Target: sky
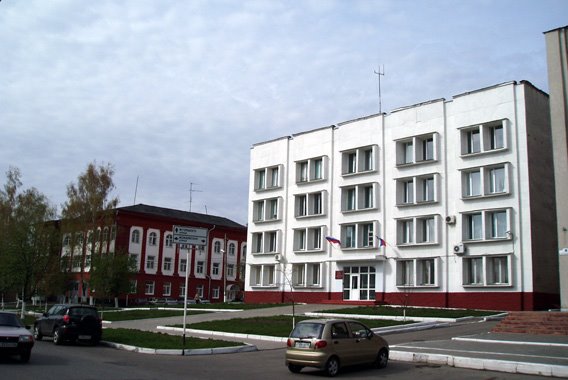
(174, 93)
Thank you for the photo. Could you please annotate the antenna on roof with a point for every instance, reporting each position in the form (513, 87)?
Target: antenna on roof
(379, 73)
(136, 190)
(191, 191)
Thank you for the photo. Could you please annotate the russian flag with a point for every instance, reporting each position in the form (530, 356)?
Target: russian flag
(382, 242)
(333, 240)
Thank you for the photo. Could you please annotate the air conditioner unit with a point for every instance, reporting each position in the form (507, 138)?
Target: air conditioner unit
(451, 219)
(459, 249)
(278, 257)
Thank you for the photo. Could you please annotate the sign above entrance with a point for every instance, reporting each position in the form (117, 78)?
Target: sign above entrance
(190, 235)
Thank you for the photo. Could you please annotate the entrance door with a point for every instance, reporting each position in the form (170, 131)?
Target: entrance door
(354, 293)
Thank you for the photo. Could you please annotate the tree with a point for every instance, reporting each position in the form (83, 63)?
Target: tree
(111, 274)
(89, 206)
(29, 238)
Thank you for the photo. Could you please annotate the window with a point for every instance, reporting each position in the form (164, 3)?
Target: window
(199, 291)
(416, 190)
(149, 288)
(268, 275)
(232, 249)
(169, 240)
(199, 267)
(474, 226)
(416, 272)
(428, 149)
(274, 177)
(359, 197)
(351, 163)
(260, 180)
(265, 210)
(231, 270)
(407, 231)
(303, 171)
(486, 181)
(484, 138)
(258, 211)
(301, 205)
(312, 204)
(473, 141)
(299, 240)
(408, 152)
(272, 241)
(215, 270)
(182, 290)
(216, 292)
(105, 234)
(473, 183)
(427, 233)
(317, 171)
(408, 192)
(416, 149)
(405, 273)
(150, 260)
(299, 274)
(152, 238)
(497, 180)
(272, 209)
(360, 160)
(426, 272)
(308, 239)
(359, 235)
(167, 264)
(167, 289)
(498, 220)
(182, 265)
(493, 224)
(497, 270)
(486, 271)
(272, 173)
(135, 238)
(257, 243)
(427, 189)
(304, 274)
(66, 241)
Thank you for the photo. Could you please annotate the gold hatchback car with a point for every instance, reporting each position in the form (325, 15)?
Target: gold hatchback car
(329, 344)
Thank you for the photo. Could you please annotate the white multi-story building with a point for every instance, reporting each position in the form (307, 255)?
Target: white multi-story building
(444, 203)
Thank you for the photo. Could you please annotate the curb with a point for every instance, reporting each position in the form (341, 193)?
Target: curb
(222, 333)
(179, 352)
(481, 364)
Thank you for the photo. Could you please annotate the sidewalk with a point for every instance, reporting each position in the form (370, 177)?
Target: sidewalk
(462, 344)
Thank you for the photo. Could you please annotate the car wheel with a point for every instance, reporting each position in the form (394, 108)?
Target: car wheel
(57, 339)
(295, 368)
(332, 366)
(37, 333)
(382, 358)
(25, 356)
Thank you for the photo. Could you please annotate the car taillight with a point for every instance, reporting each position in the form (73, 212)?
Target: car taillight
(320, 344)
(290, 342)
(66, 319)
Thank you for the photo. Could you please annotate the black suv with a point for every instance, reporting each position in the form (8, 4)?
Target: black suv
(70, 323)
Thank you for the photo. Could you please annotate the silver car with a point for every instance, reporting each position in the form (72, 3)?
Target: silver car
(15, 339)
(329, 344)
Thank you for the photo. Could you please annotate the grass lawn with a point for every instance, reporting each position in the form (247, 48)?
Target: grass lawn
(161, 341)
(272, 326)
(127, 315)
(413, 312)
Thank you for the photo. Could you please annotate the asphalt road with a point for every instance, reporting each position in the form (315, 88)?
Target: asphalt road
(79, 362)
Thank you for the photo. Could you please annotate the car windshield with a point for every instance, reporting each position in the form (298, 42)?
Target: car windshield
(10, 320)
(307, 330)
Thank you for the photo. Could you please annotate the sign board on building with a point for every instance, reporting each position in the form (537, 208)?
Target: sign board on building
(190, 235)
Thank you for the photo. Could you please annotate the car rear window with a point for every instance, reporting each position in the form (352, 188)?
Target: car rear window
(307, 330)
(82, 311)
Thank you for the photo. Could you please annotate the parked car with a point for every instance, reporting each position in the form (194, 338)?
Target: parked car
(70, 323)
(332, 344)
(15, 339)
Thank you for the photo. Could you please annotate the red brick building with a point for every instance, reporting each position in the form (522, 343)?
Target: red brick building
(215, 271)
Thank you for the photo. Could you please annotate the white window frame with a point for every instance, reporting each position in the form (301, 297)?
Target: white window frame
(417, 272)
(311, 204)
(356, 197)
(485, 142)
(149, 288)
(268, 178)
(311, 170)
(360, 160)
(484, 271)
(415, 150)
(309, 239)
(356, 236)
(411, 231)
(485, 219)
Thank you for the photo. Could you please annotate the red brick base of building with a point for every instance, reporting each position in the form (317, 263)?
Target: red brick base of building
(510, 301)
